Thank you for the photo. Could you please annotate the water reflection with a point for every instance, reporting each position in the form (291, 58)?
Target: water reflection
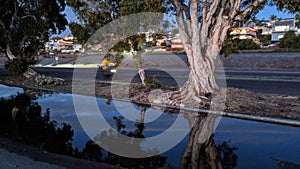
(252, 145)
(203, 153)
(21, 119)
(150, 162)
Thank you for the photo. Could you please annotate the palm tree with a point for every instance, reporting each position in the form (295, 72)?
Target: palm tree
(273, 17)
(297, 19)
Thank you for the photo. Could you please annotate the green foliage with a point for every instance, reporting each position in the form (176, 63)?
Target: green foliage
(81, 32)
(245, 44)
(152, 83)
(26, 25)
(297, 18)
(290, 40)
(266, 39)
(95, 14)
(228, 48)
(19, 65)
(163, 44)
(232, 46)
(273, 17)
(291, 6)
(134, 42)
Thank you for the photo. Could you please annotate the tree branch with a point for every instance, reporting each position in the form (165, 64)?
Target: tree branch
(11, 26)
(29, 16)
(212, 9)
(248, 10)
(208, 19)
(235, 7)
(204, 11)
(195, 33)
(182, 26)
(3, 26)
(186, 10)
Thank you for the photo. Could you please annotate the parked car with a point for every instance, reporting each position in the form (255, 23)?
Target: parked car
(51, 53)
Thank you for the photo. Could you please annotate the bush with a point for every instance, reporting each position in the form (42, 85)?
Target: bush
(228, 48)
(232, 46)
(19, 65)
(245, 44)
(290, 40)
(152, 83)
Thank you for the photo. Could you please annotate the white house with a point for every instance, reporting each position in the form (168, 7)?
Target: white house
(281, 27)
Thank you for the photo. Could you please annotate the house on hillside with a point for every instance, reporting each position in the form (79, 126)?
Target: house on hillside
(176, 43)
(244, 33)
(265, 30)
(282, 26)
(69, 44)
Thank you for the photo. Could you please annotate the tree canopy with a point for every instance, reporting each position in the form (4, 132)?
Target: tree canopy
(92, 15)
(25, 22)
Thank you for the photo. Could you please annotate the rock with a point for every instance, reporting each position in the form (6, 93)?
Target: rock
(41, 80)
(30, 73)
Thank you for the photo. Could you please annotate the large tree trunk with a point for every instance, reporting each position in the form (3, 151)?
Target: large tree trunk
(202, 44)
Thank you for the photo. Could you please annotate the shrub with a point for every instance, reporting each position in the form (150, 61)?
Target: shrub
(232, 46)
(19, 65)
(152, 83)
(290, 40)
(245, 44)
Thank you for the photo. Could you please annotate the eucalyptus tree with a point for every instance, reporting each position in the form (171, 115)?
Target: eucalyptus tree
(203, 26)
(25, 25)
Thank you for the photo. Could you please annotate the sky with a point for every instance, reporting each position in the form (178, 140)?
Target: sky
(268, 11)
(263, 14)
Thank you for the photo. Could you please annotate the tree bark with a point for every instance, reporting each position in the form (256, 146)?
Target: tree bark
(202, 43)
(139, 65)
(9, 53)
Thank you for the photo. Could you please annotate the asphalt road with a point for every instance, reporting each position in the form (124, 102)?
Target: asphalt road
(275, 82)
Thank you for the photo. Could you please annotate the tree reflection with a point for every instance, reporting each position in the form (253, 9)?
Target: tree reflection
(150, 162)
(21, 119)
(201, 151)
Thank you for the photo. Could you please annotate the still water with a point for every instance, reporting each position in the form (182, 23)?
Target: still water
(257, 143)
